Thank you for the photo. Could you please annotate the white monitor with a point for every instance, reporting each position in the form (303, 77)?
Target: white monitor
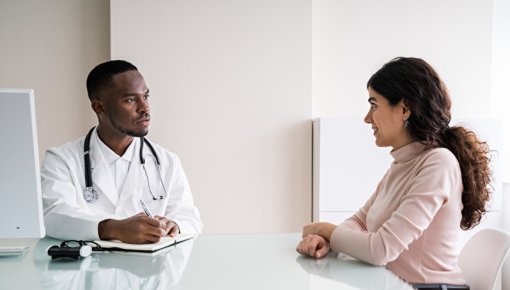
(20, 183)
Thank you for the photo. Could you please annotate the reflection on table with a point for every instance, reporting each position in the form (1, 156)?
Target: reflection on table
(271, 262)
(127, 270)
(108, 270)
(347, 271)
(258, 261)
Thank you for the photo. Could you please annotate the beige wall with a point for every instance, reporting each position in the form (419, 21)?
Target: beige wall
(232, 99)
(50, 46)
(230, 93)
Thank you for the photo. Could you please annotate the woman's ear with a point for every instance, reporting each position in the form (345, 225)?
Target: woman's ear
(406, 112)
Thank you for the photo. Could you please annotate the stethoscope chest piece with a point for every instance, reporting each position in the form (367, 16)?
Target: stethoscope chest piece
(90, 194)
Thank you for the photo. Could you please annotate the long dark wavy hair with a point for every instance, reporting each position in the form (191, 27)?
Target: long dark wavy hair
(425, 94)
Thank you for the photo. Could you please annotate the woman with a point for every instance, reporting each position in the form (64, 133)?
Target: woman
(438, 182)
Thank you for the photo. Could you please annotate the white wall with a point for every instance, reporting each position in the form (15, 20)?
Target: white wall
(501, 65)
(500, 71)
(352, 39)
(50, 46)
(230, 86)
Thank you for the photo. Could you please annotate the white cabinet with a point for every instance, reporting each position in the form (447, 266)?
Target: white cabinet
(347, 165)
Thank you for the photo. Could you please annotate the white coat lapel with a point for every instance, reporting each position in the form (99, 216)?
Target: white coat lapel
(101, 177)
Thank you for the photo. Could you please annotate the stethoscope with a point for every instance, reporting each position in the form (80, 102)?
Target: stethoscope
(90, 194)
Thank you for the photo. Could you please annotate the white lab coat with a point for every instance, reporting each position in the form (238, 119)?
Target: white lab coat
(68, 216)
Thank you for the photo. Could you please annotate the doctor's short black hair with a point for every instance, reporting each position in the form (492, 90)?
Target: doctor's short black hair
(102, 74)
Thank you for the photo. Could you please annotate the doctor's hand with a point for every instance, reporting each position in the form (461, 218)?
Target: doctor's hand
(170, 227)
(314, 246)
(138, 229)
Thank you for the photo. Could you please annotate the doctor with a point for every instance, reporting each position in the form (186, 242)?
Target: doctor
(94, 187)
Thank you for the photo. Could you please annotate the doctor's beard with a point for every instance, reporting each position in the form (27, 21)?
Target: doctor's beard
(127, 131)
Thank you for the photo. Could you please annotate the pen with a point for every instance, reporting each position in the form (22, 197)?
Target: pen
(146, 209)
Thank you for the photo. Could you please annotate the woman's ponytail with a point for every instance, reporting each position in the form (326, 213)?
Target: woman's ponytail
(474, 159)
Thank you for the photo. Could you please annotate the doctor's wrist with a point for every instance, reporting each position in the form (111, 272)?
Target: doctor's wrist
(105, 229)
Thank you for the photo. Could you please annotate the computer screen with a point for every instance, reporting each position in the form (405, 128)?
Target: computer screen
(20, 183)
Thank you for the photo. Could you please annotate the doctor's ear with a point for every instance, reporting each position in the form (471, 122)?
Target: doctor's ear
(97, 106)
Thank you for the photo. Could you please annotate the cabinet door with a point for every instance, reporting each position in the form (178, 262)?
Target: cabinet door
(347, 165)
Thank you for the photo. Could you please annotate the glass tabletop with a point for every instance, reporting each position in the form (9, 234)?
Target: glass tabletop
(228, 261)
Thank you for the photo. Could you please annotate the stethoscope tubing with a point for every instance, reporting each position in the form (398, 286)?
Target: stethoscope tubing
(88, 169)
(86, 159)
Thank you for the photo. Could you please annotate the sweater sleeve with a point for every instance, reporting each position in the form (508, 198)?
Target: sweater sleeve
(429, 189)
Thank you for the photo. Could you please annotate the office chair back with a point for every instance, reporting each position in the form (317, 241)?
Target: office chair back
(482, 258)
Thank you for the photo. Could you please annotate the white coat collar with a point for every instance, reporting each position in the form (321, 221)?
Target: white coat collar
(110, 156)
(102, 180)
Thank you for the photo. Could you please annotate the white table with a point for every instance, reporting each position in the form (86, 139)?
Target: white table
(258, 261)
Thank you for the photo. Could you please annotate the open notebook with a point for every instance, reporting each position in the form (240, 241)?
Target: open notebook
(148, 248)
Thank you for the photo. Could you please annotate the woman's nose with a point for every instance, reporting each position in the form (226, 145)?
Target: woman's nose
(368, 118)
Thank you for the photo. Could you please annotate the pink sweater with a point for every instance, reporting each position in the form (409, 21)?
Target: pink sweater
(412, 221)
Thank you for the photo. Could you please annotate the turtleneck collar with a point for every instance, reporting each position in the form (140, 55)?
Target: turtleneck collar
(408, 152)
